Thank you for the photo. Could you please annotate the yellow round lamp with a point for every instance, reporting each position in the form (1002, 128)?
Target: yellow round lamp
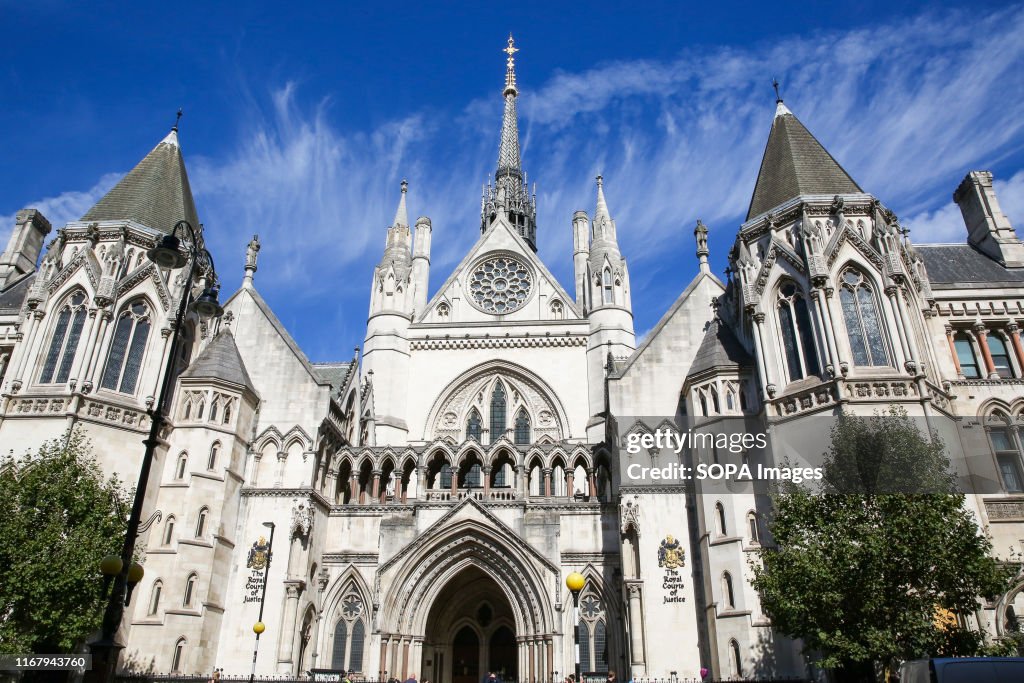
(259, 627)
(135, 572)
(575, 582)
(111, 565)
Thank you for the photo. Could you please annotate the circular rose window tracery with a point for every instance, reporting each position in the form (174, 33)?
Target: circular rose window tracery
(500, 285)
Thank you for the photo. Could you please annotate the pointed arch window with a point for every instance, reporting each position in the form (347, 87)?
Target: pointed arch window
(349, 635)
(214, 407)
(497, 412)
(752, 524)
(179, 473)
(64, 343)
(178, 656)
(190, 588)
(522, 427)
(446, 476)
(593, 633)
(473, 426)
(227, 413)
(727, 590)
(1006, 446)
(201, 522)
(720, 518)
(863, 322)
(737, 661)
(124, 361)
(169, 530)
(796, 332)
(212, 463)
(340, 644)
(606, 286)
(154, 596)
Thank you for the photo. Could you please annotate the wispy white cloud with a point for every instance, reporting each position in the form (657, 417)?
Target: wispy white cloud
(907, 108)
(946, 224)
(67, 206)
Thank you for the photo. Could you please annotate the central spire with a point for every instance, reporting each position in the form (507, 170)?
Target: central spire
(510, 195)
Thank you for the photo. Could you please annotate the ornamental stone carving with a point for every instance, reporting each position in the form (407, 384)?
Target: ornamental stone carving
(500, 285)
(302, 519)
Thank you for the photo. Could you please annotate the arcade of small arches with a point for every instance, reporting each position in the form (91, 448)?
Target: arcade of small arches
(503, 471)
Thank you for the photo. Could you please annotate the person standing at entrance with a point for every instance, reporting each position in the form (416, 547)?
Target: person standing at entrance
(411, 678)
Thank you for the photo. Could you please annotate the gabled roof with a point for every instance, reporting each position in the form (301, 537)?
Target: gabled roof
(962, 264)
(719, 349)
(795, 163)
(12, 296)
(220, 360)
(155, 193)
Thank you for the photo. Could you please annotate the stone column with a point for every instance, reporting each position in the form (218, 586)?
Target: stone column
(522, 485)
(952, 351)
(405, 658)
(291, 610)
(80, 363)
(896, 323)
(990, 366)
(767, 379)
(375, 489)
(282, 456)
(547, 481)
(832, 357)
(569, 483)
(455, 482)
(28, 349)
(636, 630)
(89, 370)
(1018, 348)
(383, 655)
(592, 480)
(485, 471)
(353, 489)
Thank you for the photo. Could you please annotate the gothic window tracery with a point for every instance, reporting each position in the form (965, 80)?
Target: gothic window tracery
(500, 285)
(473, 426)
(498, 404)
(64, 342)
(797, 333)
(522, 435)
(349, 633)
(124, 361)
(557, 311)
(606, 286)
(864, 326)
(593, 633)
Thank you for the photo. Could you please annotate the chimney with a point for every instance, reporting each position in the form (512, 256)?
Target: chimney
(22, 253)
(988, 228)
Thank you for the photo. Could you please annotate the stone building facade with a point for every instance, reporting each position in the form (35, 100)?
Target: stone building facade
(431, 493)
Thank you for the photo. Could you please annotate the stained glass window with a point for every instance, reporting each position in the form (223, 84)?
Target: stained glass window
(64, 342)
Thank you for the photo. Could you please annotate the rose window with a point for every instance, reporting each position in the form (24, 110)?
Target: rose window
(500, 285)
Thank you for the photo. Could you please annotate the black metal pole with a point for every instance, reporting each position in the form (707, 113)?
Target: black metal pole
(105, 651)
(263, 597)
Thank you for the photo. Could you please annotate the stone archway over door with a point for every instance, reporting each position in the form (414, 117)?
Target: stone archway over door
(470, 631)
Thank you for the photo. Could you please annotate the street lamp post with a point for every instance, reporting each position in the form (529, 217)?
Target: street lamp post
(259, 627)
(575, 583)
(166, 254)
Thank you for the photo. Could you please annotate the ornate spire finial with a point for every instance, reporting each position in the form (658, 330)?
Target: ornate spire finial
(700, 233)
(510, 71)
(251, 252)
(778, 97)
(177, 118)
(401, 214)
(601, 213)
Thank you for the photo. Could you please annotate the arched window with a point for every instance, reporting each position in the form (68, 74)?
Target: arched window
(609, 293)
(190, 588)
(737, 661)
(213, 456)
(497, 412)
(965, 355)
(349, 635)
(201, 522)
(522, 427)
(755, 533)
(201, 409)
(593, 633)
(446, 476)
(720, 518)
(340, 643)
(64, 342)
(179, 473)
(584, 641)
(863, 323)
(797, 336)
(1007, 449)
(355, 660)
(214, 407)
(127, 348)
(169, 530)
(154, 596)
(473, 426)
(179, 654)
(600, 647)
(1000, 356)
(714, 400)
(227, 413)
(727, 591)
(187, 409)
(557, 312)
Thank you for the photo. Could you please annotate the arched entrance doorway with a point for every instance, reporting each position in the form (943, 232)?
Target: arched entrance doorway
(470, 631)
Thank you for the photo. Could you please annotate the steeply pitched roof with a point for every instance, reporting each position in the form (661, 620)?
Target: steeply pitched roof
(720, 349)
(795, 163)
(14, 295)
(220, 360)
(333, 373)
(155, 193)
(962, 264)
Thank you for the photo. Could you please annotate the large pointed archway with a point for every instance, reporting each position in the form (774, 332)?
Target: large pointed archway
(470, 631)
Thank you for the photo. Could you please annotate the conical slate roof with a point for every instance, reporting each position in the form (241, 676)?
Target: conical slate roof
(155, 193)
(719, 349)
(795, 163)
(220, 360)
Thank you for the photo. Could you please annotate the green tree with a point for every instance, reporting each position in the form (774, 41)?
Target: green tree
(861, 569)
(58, 518)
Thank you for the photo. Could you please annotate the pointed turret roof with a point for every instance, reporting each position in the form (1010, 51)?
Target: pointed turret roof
(155, 193)
(602, 206)
(719, 350)
(795, 163)
(220, 360)
(402, 214)
(508, 151)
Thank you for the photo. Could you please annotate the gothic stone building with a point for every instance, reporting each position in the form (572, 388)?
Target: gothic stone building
(431, 493)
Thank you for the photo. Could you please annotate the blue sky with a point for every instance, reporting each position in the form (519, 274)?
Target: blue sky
(300, 123)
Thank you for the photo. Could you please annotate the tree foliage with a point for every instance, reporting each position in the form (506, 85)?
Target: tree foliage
(59, 517)
(861, 569)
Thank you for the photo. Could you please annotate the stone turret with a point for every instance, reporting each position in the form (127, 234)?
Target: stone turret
(22, 253)
(988, 228)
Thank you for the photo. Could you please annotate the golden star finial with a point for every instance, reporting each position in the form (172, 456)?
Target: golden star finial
(511, 49)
